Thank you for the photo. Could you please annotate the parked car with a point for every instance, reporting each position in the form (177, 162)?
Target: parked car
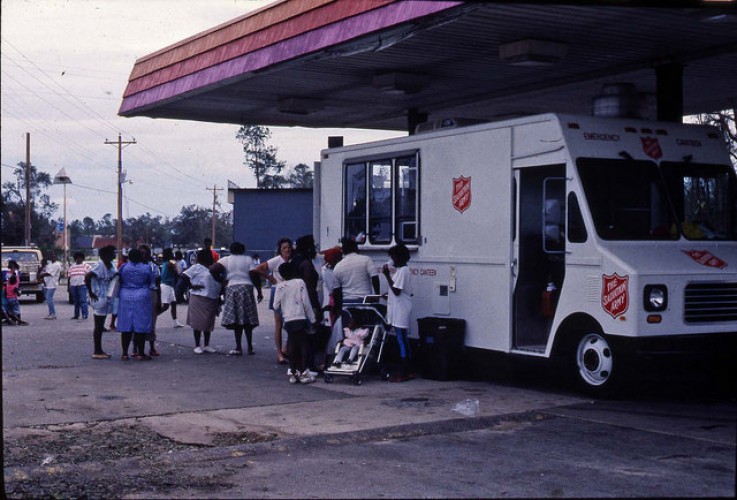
(29, 261)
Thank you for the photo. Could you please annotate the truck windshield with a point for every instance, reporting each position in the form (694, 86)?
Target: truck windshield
(627, 199)
(704, 198)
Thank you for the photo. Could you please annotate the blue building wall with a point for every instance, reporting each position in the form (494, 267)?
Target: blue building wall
(262, 216)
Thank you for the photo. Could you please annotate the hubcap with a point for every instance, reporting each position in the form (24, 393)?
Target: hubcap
(594, 359)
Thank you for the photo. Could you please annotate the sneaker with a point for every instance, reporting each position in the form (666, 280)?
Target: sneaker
(51, 316)
(198, 350)
(177, 324)
(292, 376)
(306, 377)
(207, 348)
(102, 355)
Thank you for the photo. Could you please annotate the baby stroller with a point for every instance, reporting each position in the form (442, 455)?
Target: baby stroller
(368, 315)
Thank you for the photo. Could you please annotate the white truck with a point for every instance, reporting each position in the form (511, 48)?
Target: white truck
(574, 238)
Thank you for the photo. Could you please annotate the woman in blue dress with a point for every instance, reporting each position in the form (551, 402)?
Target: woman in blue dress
(135, 314)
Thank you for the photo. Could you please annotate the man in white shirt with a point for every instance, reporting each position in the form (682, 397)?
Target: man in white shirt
(50, 275)
(356, 276)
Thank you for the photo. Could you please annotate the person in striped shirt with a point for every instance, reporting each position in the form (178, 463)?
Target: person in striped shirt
(77, 287)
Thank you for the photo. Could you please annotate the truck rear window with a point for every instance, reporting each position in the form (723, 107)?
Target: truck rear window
(20, 257)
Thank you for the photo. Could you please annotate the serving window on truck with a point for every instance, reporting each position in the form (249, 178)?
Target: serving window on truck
(382, 200)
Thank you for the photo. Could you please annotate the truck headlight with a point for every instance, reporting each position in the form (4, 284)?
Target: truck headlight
(655, 298)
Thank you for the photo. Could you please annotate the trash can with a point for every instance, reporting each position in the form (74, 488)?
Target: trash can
(441, 346)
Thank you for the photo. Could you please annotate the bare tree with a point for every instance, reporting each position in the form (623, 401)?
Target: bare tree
(726, 122)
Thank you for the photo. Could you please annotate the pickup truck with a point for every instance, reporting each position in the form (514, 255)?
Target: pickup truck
(29, 261)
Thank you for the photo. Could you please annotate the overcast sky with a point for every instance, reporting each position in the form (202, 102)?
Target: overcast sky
(65, 65)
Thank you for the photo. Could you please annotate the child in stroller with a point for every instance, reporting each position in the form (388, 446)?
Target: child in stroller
(365, 351)
(352, 341)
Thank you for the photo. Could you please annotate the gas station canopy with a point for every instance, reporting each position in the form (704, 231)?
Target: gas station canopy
(391, 64)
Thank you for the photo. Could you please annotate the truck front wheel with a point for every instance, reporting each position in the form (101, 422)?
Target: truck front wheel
(595, 364)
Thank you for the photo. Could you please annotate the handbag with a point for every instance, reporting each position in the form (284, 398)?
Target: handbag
(113, 289)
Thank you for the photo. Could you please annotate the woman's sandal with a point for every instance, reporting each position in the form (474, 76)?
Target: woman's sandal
(124, 357)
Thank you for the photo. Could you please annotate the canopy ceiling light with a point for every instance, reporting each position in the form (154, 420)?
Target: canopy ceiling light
(532, 52)
(300, 105)
(398, 83)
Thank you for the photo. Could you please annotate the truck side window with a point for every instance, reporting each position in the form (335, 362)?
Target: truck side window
(354, 215)
(407, 209)
(576, 228)
(380, 202)
(554, 210)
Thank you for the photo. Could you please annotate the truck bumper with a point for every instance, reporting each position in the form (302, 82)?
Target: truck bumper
(711, 345)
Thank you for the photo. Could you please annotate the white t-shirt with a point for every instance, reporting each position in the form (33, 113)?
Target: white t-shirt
(237, 267)
(54, 269)
(329, 283)
(399, 307)
(273, 265)
(354, 274)
(200, 275)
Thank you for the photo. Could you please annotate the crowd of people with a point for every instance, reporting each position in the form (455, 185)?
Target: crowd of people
(306, 301)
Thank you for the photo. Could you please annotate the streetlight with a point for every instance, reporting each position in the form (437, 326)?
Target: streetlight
(63, 178)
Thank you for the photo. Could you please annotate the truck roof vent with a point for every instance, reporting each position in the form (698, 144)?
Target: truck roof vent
(447, 123)
(619, 100)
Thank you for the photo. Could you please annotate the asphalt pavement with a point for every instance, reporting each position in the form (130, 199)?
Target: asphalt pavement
(224, 413)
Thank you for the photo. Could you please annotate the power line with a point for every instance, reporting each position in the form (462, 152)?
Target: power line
(70, 99)
(91, 112)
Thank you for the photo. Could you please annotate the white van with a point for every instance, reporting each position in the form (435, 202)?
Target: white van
(569, 237)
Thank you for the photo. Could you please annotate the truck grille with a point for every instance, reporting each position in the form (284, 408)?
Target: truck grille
(710, 302)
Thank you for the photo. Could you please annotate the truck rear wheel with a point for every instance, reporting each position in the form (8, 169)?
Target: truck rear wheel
(595, 365)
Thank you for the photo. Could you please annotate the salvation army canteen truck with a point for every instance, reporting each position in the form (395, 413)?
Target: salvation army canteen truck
(582, 239)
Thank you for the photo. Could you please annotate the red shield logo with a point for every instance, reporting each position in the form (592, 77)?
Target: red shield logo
(615, 294)
(651, 147)
(461, 193)
(706, 258)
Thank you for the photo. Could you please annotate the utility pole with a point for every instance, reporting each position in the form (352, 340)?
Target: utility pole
(120, 143)
(214, 190)
(27, 224)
